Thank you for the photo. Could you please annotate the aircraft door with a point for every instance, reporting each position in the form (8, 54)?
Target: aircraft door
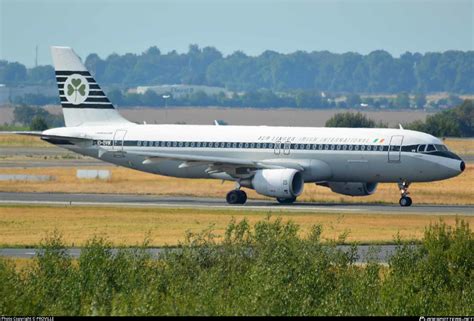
(395, 149)
(286, 148)
(277, 147)
(119, 137)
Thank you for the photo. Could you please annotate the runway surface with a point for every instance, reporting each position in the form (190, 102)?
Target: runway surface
(151, 201)
(379, 253)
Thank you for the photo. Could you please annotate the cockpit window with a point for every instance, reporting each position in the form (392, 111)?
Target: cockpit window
(421, 148)
(441, 148)
(430, 148)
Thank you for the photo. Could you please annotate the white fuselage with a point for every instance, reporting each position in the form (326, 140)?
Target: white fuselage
(323, 154)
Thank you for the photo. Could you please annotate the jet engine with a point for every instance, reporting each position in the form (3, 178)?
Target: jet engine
(352, 188)
(283, 183)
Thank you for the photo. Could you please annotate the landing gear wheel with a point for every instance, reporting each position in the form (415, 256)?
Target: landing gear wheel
(242, 197)
(236, 197)
(405, 201)
(282, 200)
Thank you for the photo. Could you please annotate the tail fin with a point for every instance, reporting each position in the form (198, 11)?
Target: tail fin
(82, 99)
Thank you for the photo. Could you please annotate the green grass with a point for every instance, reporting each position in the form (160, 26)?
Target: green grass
(267, 269)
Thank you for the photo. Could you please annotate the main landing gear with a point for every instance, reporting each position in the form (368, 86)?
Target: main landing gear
(405, 200)
(236, 196)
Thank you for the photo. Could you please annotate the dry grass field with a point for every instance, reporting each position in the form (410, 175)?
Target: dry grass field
(22, 141)
(28, 225)
(458, 190)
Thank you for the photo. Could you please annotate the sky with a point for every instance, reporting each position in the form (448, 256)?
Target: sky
(253, 26)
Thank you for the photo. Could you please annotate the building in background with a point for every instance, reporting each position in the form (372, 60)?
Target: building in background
(178, 91)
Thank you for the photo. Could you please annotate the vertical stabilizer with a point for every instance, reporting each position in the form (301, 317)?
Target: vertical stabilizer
(82, 99)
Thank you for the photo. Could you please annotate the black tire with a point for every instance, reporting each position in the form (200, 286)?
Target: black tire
(233, 197)
(405, 201)
(282, 200)
(242, 197)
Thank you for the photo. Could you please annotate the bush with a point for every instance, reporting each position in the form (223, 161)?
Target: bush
(352, 120)
(262, 270)
(456, 122)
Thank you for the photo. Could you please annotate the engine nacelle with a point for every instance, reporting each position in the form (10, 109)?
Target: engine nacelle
(284, 183)
(352, 189)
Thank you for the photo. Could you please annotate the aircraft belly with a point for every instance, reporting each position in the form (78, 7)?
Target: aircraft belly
(361, 167)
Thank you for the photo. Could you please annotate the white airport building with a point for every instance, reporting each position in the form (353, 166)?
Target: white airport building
(180, 90)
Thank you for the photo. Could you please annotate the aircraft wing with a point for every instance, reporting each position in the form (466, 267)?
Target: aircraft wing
(217, 164)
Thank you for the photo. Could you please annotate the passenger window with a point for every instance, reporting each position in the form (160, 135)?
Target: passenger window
(430, 148)
(332, 146)
(344, 147)
(252, 145)
(350, 147)
(369, 147)
(421, 148)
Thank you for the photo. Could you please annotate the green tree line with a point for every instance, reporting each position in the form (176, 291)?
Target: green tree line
(376, 72)
(267, 269)
(455, 122)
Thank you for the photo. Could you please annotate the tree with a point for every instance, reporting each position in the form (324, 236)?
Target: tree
(353, 101)
(456, 122)
(402, 101)
(38, 123)
(352, 120)
(420, 100)
(24, 114)
(377, 72)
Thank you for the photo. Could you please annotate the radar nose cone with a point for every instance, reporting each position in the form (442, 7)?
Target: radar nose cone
(462, 167)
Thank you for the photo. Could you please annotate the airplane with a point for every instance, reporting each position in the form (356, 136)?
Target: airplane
(274, 161)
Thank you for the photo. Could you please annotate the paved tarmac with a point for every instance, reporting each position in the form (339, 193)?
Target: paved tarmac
(150, 201)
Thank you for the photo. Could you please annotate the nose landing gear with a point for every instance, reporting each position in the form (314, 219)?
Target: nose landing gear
(236, 196)
(405, 200)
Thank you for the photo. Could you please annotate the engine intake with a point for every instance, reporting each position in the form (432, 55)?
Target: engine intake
(284, 183)
(352, 188)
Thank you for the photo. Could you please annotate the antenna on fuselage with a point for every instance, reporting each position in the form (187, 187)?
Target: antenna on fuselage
(401, 127)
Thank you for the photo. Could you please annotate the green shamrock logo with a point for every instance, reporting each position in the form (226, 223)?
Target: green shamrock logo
(76, 87)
